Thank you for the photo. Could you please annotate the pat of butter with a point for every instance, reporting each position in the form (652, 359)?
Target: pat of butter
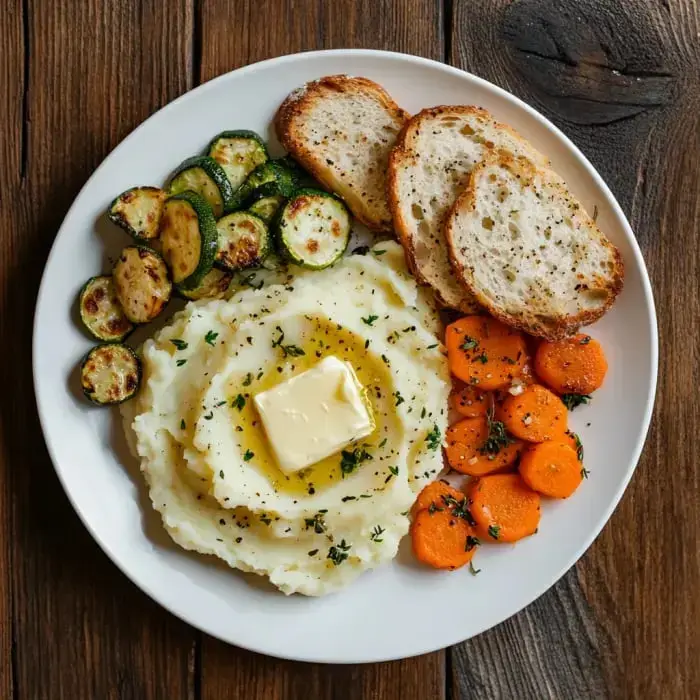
(315, 414)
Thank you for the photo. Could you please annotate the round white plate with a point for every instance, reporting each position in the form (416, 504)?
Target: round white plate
(390, 612)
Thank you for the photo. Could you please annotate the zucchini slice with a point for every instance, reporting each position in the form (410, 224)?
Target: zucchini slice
(207, 178)
(138, 211)
(267, 180)
(314, 229)
(101, 312)
(213, 286)
(238, 153)
(244, 241)
(142, 283)
(267, 207)
(188, 238)
(301, 177)
(110, 373)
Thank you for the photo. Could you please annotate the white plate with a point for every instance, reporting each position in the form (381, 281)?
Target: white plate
(390, 612)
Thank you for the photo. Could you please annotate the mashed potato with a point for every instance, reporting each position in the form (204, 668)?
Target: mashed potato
(211, 473)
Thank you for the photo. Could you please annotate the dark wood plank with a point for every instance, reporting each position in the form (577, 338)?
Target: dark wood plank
(12, 80)
(95, 70)
(233, 34)
(623, 81)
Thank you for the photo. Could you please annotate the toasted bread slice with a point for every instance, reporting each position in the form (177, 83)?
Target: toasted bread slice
(342, 129)
(523, 245)
(428, 169)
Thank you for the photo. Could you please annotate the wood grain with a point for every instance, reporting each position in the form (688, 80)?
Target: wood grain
(12, 79)
(95, 70)
(233, 34)
(623, 81)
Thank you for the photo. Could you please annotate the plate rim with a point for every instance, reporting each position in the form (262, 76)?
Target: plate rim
(410, 59)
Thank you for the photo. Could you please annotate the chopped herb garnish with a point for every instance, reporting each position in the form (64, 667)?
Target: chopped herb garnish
(394, 470)
(579, 445)
(472, 570)
(221, 403)
(248, 455)
(179, 344)
(313, 552)
(376, 534)
(469, 343)
(287, 350)
(366, 343)
(432, 508)
(434, 438)
(339, 553)
(385, 359)
(494, 531)
(379, 252)
(317, 523)
(382, 443)
(248, 379)
(584, 473)
(182, 424)
(399, 399)
(572, 401)
(265, 519)
(238, 402)
(179, 363)
(345, 499)
(370, 319)
(497, 436)
(210, 337)
(209, 415)
(460, 509)
(482, 358)
(221, 474)
(471, 543)
(423, 412)
(351, 459)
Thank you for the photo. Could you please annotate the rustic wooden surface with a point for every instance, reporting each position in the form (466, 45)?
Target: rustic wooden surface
(621, 77)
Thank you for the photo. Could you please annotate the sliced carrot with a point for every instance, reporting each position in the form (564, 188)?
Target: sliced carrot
(572, 366)
(535, 415)
(484, 352)
(442, 540)
(476, 446)
(469, 401)
(432, 495)
(504, 508)
(551, 468)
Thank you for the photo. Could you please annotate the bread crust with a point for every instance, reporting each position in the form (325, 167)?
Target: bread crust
(291, 115)
(403, 154)
(556, 327)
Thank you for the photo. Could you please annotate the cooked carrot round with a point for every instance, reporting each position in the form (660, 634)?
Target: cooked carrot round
(442, 540)
(504, 508)
(432, 495)
(469, 401)
(484, 352)
(535, 415)
(572, 366)
(477, 447)
(551, 468)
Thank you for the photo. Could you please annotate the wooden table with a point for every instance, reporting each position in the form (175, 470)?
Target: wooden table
(620, 77)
